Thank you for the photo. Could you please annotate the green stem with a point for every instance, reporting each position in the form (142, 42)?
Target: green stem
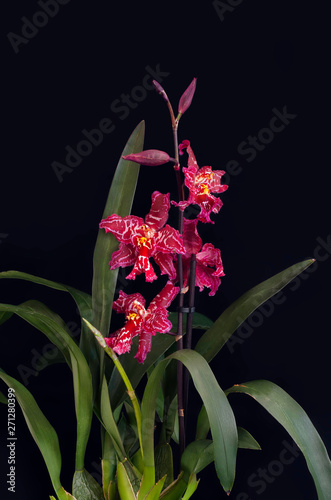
(124, 376)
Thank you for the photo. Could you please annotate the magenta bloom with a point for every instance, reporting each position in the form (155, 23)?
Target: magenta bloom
(201, 182)
(209, 268)
(141, 321)
(141, 239)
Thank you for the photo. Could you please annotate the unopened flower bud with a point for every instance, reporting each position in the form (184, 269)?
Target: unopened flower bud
(160, 90)
(152, 157)
(186, 99)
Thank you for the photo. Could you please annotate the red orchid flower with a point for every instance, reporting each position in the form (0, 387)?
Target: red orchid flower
(141, 321)
(141, 239)
(209, 267)
(201, 182)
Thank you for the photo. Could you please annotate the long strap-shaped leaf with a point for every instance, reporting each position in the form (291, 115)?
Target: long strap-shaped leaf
(119, 202)
(45, 320)
(83, 301)
(221, 418)
(214, 339)
(297, 423)
(135, 371)
(41, 430)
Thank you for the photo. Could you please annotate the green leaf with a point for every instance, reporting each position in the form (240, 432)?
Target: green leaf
(108, 464)
(203, 426)
(109, 422)
(85, 486)
(45, 320)
(191, 487)
(246, 440)
(175, 490)
(297, 423)
(83, 302)
(135, 371)
(41, 430)
(197, 455)
(221, 418)
(124, 485)
(155, 492)
(3, 398)
(164, 463)
(215, 338)
(200, 321)
(4, 316)
(119, 202)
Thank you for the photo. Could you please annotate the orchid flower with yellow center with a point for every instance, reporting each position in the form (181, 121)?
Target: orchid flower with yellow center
(141, 321)
(141, 239)
(201, 182)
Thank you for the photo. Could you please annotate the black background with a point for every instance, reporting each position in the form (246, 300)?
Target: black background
(260, 56)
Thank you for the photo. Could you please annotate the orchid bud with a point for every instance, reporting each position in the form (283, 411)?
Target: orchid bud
(186, 99)
(152, 157)
(160, 90)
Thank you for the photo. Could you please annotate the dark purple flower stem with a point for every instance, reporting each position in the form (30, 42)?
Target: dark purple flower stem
(179, 337)
(189, 324)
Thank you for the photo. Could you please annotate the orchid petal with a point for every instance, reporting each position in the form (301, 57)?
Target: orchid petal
(142, 265)
(124, 303)
(158, 214)
(121, 341)
(165, 297)
(144, 346)
(209, 255)
(121, 227)
(192, 162)
(191, 238)
(165, 261)
(157, 322)
(125, 256)
(169, 240)
(205, 278)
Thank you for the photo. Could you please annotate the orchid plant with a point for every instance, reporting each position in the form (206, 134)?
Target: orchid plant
(154, 345)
